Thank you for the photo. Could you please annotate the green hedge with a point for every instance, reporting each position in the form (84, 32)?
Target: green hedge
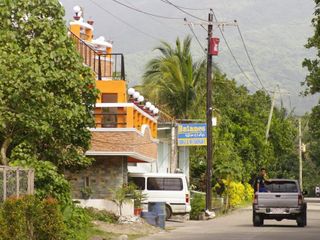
(28, 218)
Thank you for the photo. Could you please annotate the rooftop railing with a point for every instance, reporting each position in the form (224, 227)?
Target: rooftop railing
(107, 66)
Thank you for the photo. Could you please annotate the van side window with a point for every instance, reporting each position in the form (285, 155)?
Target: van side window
(138, 181)
(164, 184)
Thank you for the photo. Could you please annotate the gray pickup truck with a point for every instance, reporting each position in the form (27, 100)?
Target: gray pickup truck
(283, 199)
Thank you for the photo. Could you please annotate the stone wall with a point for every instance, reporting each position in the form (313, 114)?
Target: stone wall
(105, 173)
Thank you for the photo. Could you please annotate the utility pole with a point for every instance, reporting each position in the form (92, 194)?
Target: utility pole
(300, 155)
(173, 163)
(209, 118)
(270, 115)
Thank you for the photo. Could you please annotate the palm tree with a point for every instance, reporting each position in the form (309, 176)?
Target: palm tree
(172, 79)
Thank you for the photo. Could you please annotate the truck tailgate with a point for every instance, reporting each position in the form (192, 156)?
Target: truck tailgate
(278, 200)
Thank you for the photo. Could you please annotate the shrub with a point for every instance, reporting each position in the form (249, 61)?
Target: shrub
(198, 204)
(102, 215)
(30, 218)
(236, 193)
(77, 221)
(248, 192)
(48, 181)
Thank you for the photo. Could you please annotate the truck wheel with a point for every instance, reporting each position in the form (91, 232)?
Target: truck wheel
(300, 221)
(302, 218)
(257, 220)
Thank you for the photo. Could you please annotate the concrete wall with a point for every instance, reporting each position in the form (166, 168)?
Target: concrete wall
(104, 204)
(106, 173)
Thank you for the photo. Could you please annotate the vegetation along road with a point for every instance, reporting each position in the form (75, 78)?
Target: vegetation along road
(238, 225)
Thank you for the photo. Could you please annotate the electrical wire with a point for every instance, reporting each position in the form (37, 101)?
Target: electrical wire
(196, 37)
(250, 60)
(147, 13)
(124, 22)
(233, 56)
(180, 9)
(192, 9)
(154, 18)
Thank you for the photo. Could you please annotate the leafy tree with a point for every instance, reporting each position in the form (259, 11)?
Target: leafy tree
(45, 98)
(313, 65)
(239, 143)
(312, 82)
(173, 78)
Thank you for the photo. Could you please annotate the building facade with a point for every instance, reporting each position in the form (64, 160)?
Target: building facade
(125, 129)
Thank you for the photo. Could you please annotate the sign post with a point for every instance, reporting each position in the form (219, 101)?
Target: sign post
(192, 134)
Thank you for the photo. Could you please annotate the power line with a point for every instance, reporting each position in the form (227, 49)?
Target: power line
(194, 34)
(180, 9)
(147, 13)
(124, 22)
(233, 56)
(154, 18)
(248, 55)
(192, 9)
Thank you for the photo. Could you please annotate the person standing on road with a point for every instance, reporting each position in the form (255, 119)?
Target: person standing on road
(261, 181)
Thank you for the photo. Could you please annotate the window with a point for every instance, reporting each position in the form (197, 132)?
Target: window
(138, 181)
(282, 186)
(164, 184)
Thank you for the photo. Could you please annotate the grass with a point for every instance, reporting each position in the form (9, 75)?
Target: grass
(94, 232)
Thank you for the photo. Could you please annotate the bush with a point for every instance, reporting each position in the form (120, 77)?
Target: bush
(236, 194)
(102, 215)
(198, 204)
(77, 221)
(248, 192)
(28, 218)
(48, 181)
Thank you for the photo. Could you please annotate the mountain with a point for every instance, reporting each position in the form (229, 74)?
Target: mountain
(274, 31)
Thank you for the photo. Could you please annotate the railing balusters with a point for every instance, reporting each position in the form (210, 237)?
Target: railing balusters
(93, 59)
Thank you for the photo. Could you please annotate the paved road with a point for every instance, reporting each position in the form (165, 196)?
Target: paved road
(238, 225)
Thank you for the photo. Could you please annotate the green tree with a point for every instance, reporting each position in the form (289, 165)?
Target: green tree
(172, 79)
(45, 98)
(312, 81)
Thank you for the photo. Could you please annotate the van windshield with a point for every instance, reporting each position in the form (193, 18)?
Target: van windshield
(282, 186)
(164, 184)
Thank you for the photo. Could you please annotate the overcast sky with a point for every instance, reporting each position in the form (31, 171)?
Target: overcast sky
(275, 32)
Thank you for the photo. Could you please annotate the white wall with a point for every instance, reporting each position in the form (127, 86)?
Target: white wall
(104, 204)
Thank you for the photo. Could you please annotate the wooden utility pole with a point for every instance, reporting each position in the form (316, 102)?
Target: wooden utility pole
(300, 155)
(270, 115)
(209, 118)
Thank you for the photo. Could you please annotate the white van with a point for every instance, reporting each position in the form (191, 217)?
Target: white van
(164, 187)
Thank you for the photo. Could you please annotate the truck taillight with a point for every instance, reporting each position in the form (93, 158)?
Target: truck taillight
(255, 200)
(187, 198)
(300, 199)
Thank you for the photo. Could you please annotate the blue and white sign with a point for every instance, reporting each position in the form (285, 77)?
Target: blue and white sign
(192, 134)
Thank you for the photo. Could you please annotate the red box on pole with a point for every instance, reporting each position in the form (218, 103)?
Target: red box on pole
(214, 46)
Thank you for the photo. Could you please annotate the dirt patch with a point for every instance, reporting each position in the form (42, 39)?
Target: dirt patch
(136, 228)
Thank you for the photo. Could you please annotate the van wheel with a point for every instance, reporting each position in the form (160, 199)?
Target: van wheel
(168, 212)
